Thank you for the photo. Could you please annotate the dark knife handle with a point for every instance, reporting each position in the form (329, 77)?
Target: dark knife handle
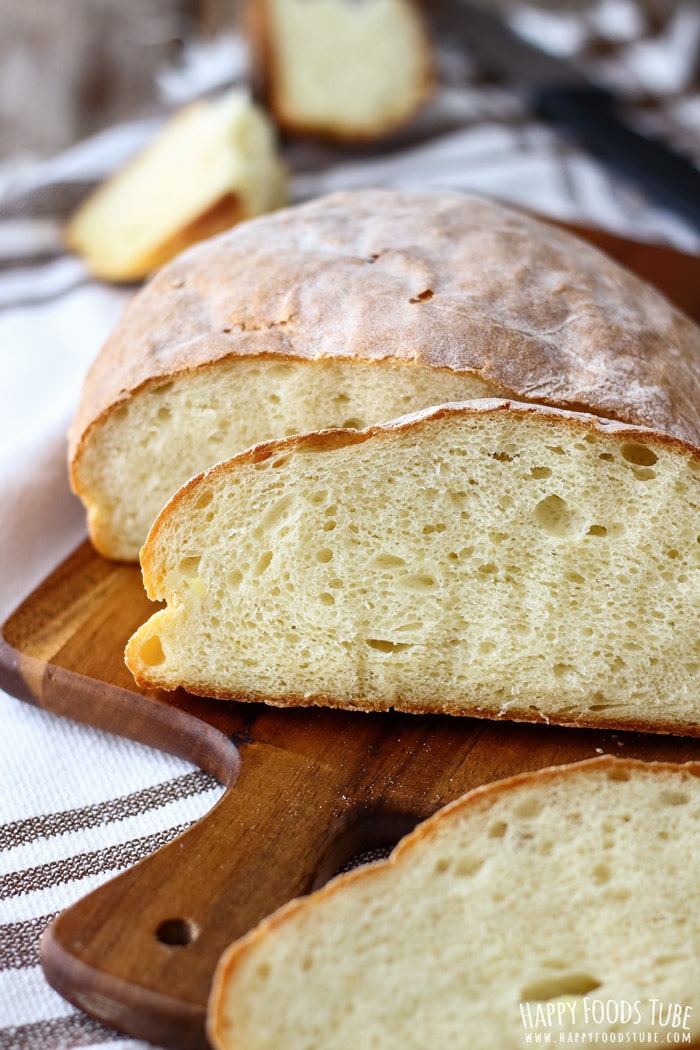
(589, 115)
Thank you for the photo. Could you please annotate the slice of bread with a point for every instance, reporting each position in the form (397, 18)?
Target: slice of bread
(343, 69)
(354, 309)
(487, 558)
(561, 902)
(213, 165)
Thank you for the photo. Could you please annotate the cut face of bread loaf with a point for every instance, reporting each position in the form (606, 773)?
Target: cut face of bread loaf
(489, 558)
(561, 902)
(213, 165)
(182, 426)
(341, 68)
(354, 309)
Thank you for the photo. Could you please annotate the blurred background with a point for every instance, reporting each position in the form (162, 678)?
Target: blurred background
(69, 68)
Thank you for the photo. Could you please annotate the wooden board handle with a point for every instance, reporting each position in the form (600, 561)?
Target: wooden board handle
(140, 951)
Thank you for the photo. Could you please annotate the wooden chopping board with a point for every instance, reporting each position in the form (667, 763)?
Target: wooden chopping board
(305, 789)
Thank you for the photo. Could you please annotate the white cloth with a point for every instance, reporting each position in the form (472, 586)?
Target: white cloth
(115, 800)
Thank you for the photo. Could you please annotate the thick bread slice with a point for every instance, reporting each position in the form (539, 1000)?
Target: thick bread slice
(354, 309)
(487, 558)
(560, 902)
(214, 164)
(339, 68)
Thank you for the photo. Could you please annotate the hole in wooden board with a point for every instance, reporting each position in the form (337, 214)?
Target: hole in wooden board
(176, 932)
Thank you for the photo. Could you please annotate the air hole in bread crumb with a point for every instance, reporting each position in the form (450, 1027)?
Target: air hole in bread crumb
(601, 873)
(442, 865)
(417, 582)
(607, 456)
(152, 652)
(502, 457)
(189, 567)
(597, 530)
(529, 807)
(556, 449)
(564, 984)
(640, 455)
(324, 555)
(674, 798)
(383, 645)
(326, 598)
(279, 462)
(554, 515)
(668, 960)
(274, 513)
(204, 499)
(262, 563)
(498, 829)
(468, 866)
(574, 577)
(564, 671)
(617, 893)
(164, 414)
(352, 424)
(617, 773)
(540, 472)
(387, 561)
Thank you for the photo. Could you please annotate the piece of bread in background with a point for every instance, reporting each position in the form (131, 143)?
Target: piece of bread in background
(353, 70)
(214, 164)
(490, 559)
(562, 902)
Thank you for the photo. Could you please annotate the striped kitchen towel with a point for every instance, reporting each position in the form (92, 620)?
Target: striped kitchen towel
(77, 805)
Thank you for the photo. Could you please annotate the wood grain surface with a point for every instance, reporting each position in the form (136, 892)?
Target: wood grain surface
(306, 789)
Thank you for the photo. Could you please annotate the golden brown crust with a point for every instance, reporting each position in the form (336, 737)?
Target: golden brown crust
(479, 796)
(527, 307)
(534, 715)
(255, 24)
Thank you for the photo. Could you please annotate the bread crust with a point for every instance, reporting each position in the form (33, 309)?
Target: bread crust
(326, 440)
(543, 317)
(233, 957)
(255, 24)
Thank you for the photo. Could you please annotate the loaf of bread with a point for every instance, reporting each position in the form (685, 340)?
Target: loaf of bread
(214, 164)
(488, 558)
(560, 903)
(357, 308)
(338, 68)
